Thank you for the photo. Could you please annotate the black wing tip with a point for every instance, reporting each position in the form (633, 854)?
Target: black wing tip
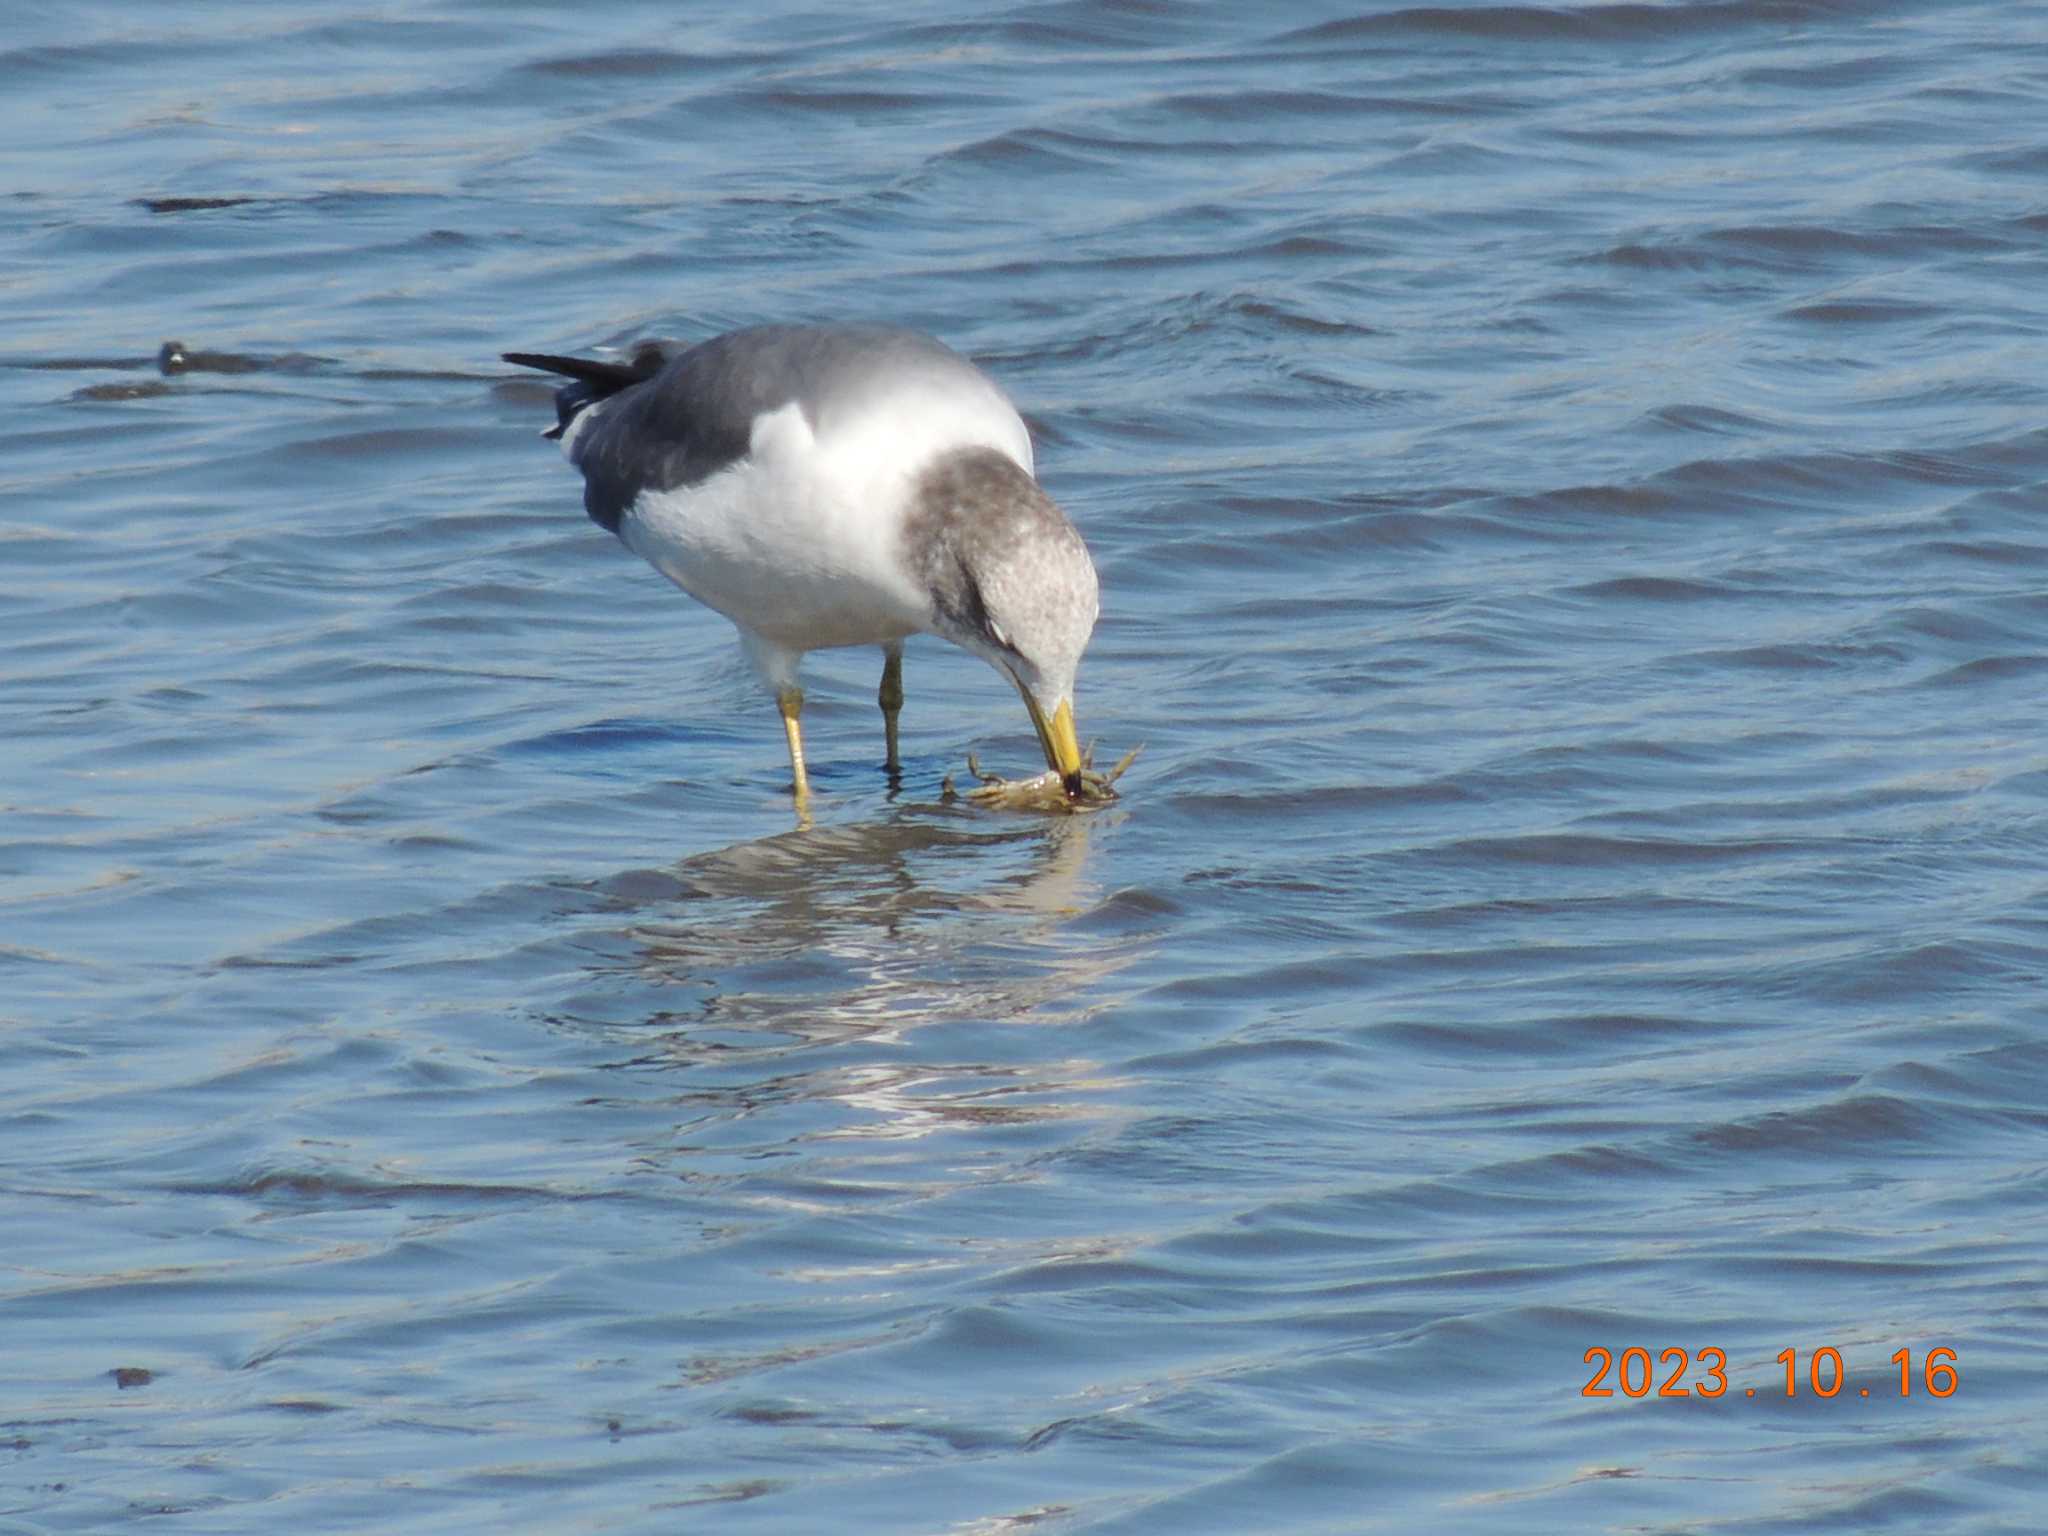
(608, 378)
(586, 368)
(590, 379)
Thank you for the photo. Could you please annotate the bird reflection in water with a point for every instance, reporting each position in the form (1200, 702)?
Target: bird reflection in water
(816, 956)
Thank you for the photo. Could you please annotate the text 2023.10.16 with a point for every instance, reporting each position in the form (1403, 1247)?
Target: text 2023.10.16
(1704, 1372)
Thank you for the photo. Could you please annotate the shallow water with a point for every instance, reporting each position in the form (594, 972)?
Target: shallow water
(1568, 486)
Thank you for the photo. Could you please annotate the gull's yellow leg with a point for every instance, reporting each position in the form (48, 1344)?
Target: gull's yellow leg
(891, 700)
(790, 701)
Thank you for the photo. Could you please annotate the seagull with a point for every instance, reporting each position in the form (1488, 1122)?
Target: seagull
(832, 485)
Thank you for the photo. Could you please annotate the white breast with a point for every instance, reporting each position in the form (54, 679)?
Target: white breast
(799, 541)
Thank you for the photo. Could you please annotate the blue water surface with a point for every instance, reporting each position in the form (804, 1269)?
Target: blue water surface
(1569, 489)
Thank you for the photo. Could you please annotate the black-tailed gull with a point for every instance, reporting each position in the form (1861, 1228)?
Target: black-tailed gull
(825, 485)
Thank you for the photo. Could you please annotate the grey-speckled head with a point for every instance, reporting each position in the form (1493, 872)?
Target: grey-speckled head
(1009, 577)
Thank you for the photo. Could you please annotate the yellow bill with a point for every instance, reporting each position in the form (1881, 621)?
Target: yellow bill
(1056, 736)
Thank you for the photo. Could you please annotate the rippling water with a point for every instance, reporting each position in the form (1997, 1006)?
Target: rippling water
(1569, 488)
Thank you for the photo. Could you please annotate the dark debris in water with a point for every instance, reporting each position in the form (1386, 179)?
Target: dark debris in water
(174, 357)
(126, 1376)
(190, 204)
(141, 391)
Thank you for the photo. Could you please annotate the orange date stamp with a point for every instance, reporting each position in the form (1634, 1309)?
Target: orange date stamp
(1704, 1372)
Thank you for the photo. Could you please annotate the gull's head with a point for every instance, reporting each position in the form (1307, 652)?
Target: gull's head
(1011, 581)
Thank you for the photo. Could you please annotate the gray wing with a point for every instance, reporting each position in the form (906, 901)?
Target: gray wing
(696, 416)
